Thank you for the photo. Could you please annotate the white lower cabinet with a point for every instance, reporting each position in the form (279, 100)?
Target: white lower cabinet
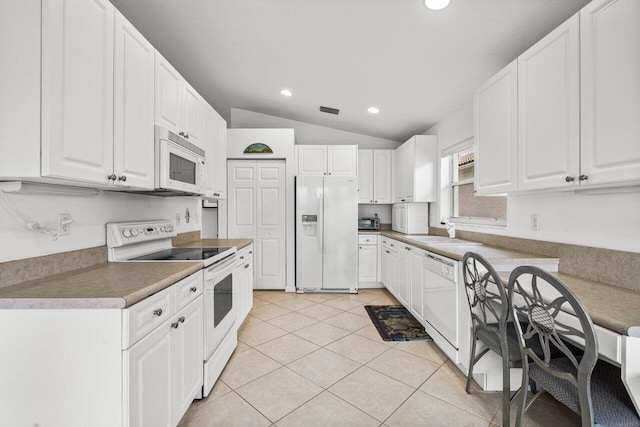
(403, 278)
(243, 280)
(389, 271)
(416, 274)
(368, 258)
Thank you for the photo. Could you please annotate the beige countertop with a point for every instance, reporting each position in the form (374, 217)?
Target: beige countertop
(609, 306)
(109, 285)
(238, 243)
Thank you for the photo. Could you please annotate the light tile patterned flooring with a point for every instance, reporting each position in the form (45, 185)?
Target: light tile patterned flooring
(317, 360)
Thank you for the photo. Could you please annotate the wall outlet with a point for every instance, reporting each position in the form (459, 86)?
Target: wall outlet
(535, 222)
(64, 224)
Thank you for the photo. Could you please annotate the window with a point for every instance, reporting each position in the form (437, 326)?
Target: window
(459, 203)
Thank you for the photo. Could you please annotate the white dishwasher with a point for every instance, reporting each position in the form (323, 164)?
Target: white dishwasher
(441, 299)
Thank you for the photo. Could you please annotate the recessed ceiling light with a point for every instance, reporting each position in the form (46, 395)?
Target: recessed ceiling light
(286, 92)
(436, 4)
(373, 110)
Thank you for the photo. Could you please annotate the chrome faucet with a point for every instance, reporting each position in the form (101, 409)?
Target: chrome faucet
(451, 228)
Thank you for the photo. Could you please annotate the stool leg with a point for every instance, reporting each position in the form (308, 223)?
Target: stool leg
(472, 360)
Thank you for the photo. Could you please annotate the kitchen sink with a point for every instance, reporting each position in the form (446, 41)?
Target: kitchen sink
(439, 240)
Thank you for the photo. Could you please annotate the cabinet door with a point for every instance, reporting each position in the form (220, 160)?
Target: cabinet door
(342, 160)
(147, 366)
(192, 111)
(133, 150)
(610, 92)
(390, 269)
(209, 135)
(382, 176)
(404, 274)
(417, 273)
(311, 160)
(367, 263)
(168, 95)
(549, 110)
(220, 158)
(496, 133)
(366, 176)
(77, 90)
(241, 216)
(401, 218)
(408, 170)
(398, 174)
(186, 357)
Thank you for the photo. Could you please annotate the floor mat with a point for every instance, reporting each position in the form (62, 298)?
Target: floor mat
(395, 323)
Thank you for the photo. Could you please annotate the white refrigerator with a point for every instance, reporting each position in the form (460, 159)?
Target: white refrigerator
(326, 233)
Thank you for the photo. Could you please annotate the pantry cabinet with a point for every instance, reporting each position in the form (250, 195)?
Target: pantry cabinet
(77, 90)
(178, 107)
(496, 127)
(335, 160)
(416, 170)
(610, 92)
(375, 169)
(549, 110)
(214, 138)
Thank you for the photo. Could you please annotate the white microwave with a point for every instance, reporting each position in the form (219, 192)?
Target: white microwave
(180, 165)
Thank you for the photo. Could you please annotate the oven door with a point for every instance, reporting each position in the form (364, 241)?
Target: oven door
(219, 304)
(179, 169)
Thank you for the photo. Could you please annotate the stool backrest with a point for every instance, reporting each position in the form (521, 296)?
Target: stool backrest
(485, 291)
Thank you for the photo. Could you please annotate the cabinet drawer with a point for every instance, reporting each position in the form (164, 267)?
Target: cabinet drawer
(367, 239)
(244, 255)
(188, 289)
(389, 243)
(141, 318)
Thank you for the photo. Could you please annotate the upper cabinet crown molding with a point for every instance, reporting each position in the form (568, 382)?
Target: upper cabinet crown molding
(416, 170)
(335, 160)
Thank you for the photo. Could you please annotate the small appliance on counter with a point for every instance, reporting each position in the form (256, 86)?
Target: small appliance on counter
(369, 223)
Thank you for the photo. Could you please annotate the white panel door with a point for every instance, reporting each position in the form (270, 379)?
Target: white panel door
(367, 263)
(186, 357)
(168, 97)
(365, 176)
(147, 366)
(340, 244)
(133, 150)
(77, 89)
(610, 91)
(549, 110)
(270, 259)
(342, 160)
(311, 160)
(382, 176)
(242, 199)
(496, 132)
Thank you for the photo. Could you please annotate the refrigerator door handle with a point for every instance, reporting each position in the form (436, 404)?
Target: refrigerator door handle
(322, 208)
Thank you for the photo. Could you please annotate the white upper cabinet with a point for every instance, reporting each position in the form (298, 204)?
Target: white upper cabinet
(335, 160)
(416, 174)
(133, 150)
(496, 127)
(77, 90)
(375, 176)
(178, 107)
(214, 139)
(549, 110)
(610, 92)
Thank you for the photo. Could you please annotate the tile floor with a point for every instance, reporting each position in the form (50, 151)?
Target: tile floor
(317, 360)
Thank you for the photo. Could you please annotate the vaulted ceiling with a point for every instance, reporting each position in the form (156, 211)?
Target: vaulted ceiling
(414, 64)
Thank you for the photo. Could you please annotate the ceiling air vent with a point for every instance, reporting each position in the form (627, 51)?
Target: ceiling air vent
(329, 110)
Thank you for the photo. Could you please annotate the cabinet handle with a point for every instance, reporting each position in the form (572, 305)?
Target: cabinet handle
(112, 177)
(242, 257)
(391, 244)
(403, 200)
(216, 194)
(407, 248)
(360, 247)
(246, 266)
(583, 177)
(329, 173)
(375, 201)
(371, 201)
(122, 178)
(193, 289)
(388, 252)
(157, 312)
(250, 252)
(181, 319)
(181, 134)
(186, 136)
(175, 325)
(569, 178)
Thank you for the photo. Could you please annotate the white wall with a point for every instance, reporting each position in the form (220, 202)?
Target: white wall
(610, 220)
(90, 214)
(307, 134)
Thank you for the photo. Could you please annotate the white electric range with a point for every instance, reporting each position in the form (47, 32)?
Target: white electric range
(150, 241)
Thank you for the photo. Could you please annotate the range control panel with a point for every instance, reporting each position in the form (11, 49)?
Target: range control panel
(129, 233)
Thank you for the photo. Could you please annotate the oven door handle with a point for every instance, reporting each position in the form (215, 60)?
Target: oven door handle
(222, 265)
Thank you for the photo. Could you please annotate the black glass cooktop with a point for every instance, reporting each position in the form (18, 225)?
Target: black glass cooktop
(182, 254)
